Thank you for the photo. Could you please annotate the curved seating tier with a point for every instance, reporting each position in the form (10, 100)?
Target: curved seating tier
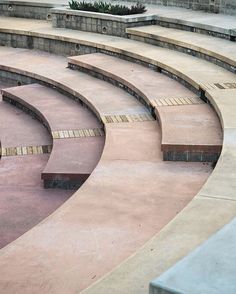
(113, 213)
(72, 159)
(204, 215)
(221, 52)
(192, 134)
(197, 74)
(23, 200)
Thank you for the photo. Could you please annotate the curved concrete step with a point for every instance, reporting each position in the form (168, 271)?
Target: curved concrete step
(218, 51)
(120, 206)
(212, 208)
(189, 132)
(195, 73)
(72, 159)
(203, 212)
(23, 200)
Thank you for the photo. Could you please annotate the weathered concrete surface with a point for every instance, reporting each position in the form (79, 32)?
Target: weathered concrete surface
(222, 50)
(23, 201)
(119, 208)
(72, 160)
(208, 269)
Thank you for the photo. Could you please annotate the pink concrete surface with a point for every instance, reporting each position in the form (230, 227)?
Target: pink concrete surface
(71, 159)
(23, 200)
(190, 127)
(149, 83)
(61, 112)
(19, 129)
(128, 198)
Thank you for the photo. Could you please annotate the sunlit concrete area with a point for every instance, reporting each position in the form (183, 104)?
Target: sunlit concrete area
(117, 147)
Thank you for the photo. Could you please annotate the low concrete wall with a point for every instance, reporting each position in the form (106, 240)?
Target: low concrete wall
(32, 9)
(98, 22)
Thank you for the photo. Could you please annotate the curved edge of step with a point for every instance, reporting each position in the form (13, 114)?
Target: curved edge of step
(193, 47)
(187, 223)
(216, 256)
(213, 207)
(56, 174)
(185, 137)
(74, 62)
(197, 150)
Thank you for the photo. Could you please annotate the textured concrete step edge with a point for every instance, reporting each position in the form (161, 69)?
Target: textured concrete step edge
(185, 47)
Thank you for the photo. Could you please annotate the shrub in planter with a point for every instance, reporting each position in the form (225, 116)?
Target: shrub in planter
(104, 7)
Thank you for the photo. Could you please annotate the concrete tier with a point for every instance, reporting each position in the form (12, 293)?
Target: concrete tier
(125, 201)
(221, 52)
(72, 160)
(189, 132)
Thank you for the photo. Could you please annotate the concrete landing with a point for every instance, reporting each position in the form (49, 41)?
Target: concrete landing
(208, 269)
(72, 160)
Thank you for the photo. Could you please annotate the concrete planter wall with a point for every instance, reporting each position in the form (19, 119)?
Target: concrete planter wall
(98, 22)
(33, 10)
(215, 6)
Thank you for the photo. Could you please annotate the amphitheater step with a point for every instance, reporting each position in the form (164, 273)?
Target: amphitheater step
(23, 200)
(73, 158)
(221, 52)
(216, 256)
(197, 74)
(126, 200)
(193, 135)
(190, 133)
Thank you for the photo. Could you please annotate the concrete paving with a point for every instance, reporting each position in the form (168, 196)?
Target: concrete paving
(193, 128)
(97, 230)
(208, 269)
(23, 201)
(176, 14)
(211, 46)
(134, 275)
(71, 160)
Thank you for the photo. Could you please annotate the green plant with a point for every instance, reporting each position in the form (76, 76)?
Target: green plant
(104, 7)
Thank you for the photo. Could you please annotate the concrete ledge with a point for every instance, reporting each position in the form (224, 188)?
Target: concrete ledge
(98, 22)
(27, 9)
(216, 256)
(209, 48)
(72, 159)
